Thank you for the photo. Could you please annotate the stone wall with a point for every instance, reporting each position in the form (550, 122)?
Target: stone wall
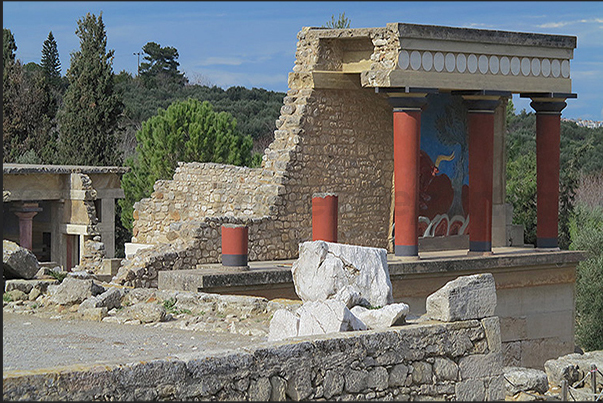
(428, 360)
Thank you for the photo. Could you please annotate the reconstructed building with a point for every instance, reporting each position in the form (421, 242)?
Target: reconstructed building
(406, 125)
(53, 210)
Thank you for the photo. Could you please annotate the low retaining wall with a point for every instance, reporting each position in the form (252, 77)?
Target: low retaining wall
(424, 360)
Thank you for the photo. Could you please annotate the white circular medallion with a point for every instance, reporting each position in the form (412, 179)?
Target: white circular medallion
(565, 68)
(438, 61)
(450, 62)
(536, 66)
(525, 66)
(546, 67)
(472, 63)
(515, 66)
(415, 60)
(505, 65)
(494, 64)
(403, 60)
(427, 61)
(483, 64)
(461, 62)
(555, 68)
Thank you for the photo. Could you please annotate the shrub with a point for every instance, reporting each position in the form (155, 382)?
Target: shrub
(586, 229)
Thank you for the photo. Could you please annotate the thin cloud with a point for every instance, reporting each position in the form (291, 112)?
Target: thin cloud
(561, 24)
(217, 60)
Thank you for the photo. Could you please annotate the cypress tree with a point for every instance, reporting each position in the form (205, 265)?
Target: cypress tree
(89, 117)
(51, 65)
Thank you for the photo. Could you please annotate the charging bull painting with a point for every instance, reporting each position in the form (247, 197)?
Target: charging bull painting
(444, 168)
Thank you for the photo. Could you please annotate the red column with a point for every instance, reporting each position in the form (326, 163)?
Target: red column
(407, 142)
(548, 134)
(235, 240)
(481, 154)
(26, 213)
(324, 217)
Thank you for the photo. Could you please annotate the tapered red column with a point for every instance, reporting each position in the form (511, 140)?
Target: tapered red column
(548, 133)
(407, 143)
(26, 213)
(324, 217)
(235, 240)
(481, 154)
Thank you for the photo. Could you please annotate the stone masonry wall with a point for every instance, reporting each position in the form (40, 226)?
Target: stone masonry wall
(326, 141)
(423, 361)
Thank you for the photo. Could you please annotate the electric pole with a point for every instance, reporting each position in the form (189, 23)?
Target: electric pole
(138, 54)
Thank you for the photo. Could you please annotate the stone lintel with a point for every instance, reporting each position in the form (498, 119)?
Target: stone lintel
(485, 36)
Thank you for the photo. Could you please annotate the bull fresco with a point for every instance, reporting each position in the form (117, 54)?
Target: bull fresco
(444, 167)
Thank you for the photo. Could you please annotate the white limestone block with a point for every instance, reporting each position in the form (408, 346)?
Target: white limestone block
(322, 317)
(466, 297)
(284, 324)
(382, 318)
(324, 268)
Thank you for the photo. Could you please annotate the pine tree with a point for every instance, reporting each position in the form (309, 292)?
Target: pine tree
(51, 65)
(89, 117)
(187, 131)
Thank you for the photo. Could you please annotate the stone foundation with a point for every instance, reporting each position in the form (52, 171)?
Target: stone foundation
(428, 360)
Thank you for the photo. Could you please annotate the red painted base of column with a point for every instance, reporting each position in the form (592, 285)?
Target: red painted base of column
(481, 153)
(324, 217)
(407, 142)
(547, 168)
(235, 239)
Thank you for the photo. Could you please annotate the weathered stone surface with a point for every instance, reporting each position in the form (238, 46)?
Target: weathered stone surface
(74, 291)
(573, 367)
(378, 378)
(445, 369)
(492, 329)
(260, 390)
(466, 297)
(470, 390)
(324, 268)
(284, 324)
(299, 386)
(356, 381)
(16, 295)
(350, 296)
(421, 372)
(389, 315)
(95, 314)
(18, 262)
(397, 375)
(321, 317)
(278, 387)
(525, 379)
(145, 312)
(332, 384)
(109, 299)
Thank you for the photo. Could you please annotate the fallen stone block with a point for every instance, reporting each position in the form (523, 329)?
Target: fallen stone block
(109, 299)
(324, 268)
(284, 324)
(145, 312)
(525, 380)
(74, 291)
(18, 262)
(322, 317)
(381, 318)
(466, 297)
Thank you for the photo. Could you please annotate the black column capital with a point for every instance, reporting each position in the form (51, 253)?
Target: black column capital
(481, 105)
(548, 107)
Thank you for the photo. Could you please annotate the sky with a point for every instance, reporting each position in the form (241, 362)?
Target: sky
(252, 44)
